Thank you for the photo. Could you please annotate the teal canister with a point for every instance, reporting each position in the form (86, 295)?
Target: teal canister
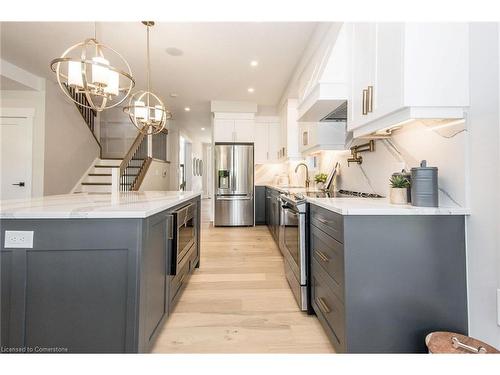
(424, 186)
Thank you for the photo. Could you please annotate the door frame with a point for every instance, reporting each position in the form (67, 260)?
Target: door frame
(27, 113)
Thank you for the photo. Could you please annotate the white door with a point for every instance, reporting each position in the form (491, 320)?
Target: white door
(16, 156)
(223, 130)
(244, 130)
(261, 142)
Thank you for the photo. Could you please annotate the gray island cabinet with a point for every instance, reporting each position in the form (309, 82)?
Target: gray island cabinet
(95, 280)
(383, 278)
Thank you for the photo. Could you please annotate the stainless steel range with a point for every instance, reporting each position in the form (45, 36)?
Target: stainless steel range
(292, 237)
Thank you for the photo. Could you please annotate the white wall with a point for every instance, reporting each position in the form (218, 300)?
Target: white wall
(36, 100)
(157, 177)
(70, 148)
(117, 133)
(483, 226)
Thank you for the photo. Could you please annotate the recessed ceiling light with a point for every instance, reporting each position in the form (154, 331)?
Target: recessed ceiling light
(174, 95)
(202, 128)
(172, 51)
(254, 63)
(187, 109)
(251, 89)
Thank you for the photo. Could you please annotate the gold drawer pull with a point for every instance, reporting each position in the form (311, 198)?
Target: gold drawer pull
(321, 256)
(369, 105)
(322, 305)
(365, 102)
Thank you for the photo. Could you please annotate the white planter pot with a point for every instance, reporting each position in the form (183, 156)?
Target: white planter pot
(399, 196)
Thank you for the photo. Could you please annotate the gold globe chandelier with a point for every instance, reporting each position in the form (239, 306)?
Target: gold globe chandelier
(145, 109)
(87, 68)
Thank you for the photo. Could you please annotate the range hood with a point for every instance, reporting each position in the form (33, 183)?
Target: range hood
(325, 98)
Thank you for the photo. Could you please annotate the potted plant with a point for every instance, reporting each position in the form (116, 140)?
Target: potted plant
(399, 189)
(320, 180)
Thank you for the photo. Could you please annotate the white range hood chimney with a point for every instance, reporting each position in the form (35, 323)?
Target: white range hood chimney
(327, 88)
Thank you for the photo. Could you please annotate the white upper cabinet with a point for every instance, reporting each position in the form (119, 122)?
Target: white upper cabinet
(267, 139)
(234, 127)
(289, 145)
(223, 130)
(318, 136)
(244, 130)
(406, 71)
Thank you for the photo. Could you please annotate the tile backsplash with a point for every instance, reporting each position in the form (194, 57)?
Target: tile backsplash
(444, 148)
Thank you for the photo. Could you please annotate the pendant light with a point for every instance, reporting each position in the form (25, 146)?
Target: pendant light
(145, 109)
(95, 70)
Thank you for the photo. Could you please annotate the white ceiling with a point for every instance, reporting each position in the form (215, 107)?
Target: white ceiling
(215, 64)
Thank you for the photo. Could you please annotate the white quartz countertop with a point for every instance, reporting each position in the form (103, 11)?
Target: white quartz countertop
(94, 206)
(380, 206)
(369, 206)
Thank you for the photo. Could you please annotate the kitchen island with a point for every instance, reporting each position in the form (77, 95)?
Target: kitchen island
(101, 273)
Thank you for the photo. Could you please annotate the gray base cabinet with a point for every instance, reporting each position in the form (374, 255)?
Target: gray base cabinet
(88, 285)
(260, 205)
(380, 284)
(273, 210)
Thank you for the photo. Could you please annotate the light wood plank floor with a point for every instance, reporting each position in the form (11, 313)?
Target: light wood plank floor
(239, 300)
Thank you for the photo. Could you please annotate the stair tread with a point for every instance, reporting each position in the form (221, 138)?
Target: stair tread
(96, 183)
(106, 166)
(99, 174)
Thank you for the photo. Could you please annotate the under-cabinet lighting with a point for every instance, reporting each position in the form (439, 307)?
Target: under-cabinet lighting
(447, 124)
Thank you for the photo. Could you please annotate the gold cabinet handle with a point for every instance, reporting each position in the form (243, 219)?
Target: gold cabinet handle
(322, 305)
(365, 100)
(321, 256)
(369, 105)
(326, 222)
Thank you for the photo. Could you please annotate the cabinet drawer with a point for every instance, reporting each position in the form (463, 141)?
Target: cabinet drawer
(328, 221)
(179, 281)
(328, 307)
(329, 254)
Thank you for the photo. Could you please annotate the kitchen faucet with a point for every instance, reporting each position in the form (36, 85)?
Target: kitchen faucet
(307, 172)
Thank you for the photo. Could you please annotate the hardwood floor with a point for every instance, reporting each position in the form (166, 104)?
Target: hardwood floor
(239, 300)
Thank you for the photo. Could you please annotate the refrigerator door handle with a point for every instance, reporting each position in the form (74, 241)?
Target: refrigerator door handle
(235, 198)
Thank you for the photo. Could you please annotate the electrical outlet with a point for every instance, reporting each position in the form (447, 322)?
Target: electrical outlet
(19, 239)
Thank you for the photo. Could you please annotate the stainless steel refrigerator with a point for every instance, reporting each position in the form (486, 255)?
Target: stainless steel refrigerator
(234, 184)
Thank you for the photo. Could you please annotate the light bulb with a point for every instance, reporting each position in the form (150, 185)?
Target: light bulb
(158, 113)
(100, 73)
(75, 74)
(113, 83)
(140, 111)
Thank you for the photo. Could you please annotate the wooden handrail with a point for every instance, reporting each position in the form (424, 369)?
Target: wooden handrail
(130, 153)
(142, 173)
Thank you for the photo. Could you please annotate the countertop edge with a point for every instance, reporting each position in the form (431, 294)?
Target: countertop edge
(96, 214)
(394, 211)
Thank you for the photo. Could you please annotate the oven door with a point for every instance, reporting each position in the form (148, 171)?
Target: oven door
(184, 235)
(293, 242)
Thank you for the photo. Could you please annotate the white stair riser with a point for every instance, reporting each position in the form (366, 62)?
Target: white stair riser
(96, 188)
(109, 162)
(98, 179)
(102, 170)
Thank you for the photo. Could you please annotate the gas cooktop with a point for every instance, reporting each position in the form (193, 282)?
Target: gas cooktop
(334, 194)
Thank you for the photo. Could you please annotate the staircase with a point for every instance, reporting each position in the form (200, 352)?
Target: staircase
(131, 170)
(98, 180)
